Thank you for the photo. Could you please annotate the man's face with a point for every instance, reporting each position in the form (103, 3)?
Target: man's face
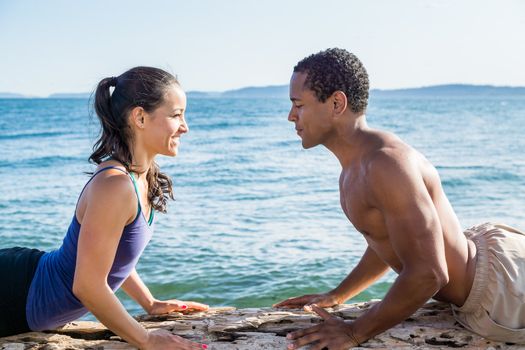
(310, 116)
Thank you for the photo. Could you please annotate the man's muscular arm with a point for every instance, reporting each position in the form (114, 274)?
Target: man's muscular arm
(398, 191)
(415, 234)
(369, 269)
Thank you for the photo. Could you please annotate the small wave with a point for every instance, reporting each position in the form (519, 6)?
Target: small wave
(462, 167)
(472, 174)
(41, 162)
(31, 135)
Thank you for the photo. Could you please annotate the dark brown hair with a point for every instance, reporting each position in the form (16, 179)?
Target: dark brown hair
(336, 70)
(138, 87)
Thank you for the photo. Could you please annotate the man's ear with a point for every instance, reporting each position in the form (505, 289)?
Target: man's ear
(340, 102)
(137, 117)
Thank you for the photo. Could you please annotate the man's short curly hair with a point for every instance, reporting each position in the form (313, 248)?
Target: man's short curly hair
(336, 70)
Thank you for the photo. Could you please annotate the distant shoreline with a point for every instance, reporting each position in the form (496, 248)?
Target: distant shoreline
(281, 91)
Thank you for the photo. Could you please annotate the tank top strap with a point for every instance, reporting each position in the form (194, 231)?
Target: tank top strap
(137, 193)
(151, 212)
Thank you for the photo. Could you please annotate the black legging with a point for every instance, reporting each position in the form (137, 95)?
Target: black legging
(17, 268)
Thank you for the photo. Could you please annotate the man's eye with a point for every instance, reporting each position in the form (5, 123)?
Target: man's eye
(176, 116)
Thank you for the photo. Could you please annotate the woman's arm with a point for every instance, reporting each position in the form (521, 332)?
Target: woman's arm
(138, 291)
(111, 203)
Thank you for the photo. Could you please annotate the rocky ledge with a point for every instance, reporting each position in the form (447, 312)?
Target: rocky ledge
(432, 327)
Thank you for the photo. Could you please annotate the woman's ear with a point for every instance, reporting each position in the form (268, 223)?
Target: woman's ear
(340, 102)
(137, 117)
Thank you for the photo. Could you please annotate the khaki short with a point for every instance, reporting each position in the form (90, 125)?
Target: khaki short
(495, 307)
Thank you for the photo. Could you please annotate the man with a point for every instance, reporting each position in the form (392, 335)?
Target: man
(394, 197)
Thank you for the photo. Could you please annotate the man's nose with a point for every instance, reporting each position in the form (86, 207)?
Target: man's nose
(292, 116)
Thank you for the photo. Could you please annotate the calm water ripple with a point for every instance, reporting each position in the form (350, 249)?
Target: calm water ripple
(256, 218)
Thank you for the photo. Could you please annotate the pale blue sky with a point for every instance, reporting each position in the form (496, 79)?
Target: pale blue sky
(67, 46)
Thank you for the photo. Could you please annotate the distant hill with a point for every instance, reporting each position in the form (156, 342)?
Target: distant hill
(11, 95)
(203, 94)
(82, 95)
(451, 90)
(272, 91)
(263, 91)
(281, 91)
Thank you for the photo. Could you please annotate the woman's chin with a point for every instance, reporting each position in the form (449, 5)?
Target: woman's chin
(174, 151)
(171, 152)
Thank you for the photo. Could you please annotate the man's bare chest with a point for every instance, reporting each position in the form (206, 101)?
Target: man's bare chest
(355, 203)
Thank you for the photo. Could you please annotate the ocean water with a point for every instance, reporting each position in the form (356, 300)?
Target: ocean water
(256, 218)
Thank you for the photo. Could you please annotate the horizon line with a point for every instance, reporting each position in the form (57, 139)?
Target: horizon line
(23, 95)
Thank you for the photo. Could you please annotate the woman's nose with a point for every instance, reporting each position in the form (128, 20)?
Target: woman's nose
(184, 127)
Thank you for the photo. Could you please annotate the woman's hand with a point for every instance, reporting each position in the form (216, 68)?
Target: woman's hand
(160, 307)
(161, 339)
(321, 300)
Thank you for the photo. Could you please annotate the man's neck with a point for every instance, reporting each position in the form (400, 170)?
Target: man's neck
(348, 140)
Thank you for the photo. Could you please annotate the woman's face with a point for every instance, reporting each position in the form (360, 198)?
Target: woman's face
(166, 124)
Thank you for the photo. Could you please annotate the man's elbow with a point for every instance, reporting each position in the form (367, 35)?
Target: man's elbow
(436, 279)
(442, 279)
(430, 281)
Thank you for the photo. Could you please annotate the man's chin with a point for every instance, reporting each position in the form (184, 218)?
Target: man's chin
(307, 145)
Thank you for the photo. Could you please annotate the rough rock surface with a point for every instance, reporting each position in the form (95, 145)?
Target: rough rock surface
(432, 327)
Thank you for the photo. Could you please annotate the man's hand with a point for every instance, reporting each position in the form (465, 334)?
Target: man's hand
(333, 334)
(321, 300)
(160, 307)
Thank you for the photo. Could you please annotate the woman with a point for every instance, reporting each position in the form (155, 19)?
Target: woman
(113, 221)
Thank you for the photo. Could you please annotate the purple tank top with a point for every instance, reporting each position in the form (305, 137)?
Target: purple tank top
(50, 301)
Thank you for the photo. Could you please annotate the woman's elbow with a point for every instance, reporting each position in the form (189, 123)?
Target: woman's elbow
(79, 290)
(85, 290)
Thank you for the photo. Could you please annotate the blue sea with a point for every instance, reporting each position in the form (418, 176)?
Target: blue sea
(256, 218)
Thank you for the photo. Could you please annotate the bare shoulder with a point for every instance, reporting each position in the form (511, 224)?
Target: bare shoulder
(396, 165)
(112, 184)
(392, 156)
(115, 181)
(111, 192)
